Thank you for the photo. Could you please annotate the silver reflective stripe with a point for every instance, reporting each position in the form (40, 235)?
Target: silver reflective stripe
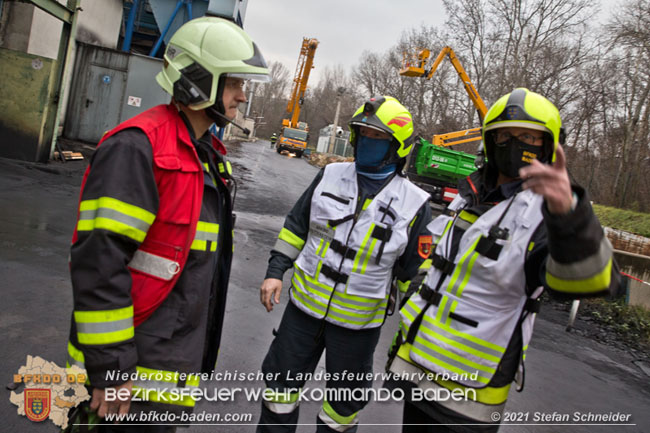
(281, 408)
(114, 215)
(446, 307)
(583, 269)
(286, 248)
(468, 407)
(104, 327)
(333, 424)
(206, 236)
(462, 224)
(154, 265)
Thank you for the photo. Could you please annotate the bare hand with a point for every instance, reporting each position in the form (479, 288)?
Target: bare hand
(551, 182)
(102, 406)
(271, 288)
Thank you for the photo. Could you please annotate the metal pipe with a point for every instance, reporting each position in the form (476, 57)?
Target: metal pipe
(128, 32)
(159, 42)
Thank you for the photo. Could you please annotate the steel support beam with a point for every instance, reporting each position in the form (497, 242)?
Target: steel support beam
(55, 9)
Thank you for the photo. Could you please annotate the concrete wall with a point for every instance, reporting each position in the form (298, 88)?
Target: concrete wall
(16, 25)
(26, 28)
(24, 103)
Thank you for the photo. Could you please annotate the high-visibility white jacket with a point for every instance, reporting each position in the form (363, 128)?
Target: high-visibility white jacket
(480, 302)
(344, 270)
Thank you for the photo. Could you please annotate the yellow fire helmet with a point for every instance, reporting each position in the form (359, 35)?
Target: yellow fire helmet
(524, 109)
(201, 54)
(385, 114)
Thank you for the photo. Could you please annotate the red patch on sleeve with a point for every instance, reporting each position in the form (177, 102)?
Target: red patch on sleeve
(424, 246)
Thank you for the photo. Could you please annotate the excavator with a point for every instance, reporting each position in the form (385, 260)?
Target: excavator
(437, 169)
(295, 134)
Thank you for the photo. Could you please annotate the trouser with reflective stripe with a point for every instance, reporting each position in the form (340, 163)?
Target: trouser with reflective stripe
(297, 348)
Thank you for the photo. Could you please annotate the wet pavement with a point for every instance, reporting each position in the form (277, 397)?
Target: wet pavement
(566, 373)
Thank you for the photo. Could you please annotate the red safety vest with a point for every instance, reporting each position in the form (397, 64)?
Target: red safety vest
(179, 178)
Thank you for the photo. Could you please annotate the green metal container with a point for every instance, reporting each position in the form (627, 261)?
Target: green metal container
(443, 164)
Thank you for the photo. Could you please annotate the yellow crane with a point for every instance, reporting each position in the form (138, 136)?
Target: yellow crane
(414, 66)
(295, 134)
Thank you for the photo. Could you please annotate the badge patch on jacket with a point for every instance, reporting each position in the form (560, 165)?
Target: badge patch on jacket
(424, 246)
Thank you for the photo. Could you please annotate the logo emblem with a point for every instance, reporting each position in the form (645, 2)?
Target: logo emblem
(37, 404)
(399, 121)
(511, 113)
(424, 246)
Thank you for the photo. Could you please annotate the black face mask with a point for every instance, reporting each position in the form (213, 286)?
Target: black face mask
(513, 154)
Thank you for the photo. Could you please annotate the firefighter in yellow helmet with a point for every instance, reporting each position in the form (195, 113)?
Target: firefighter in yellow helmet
(517, 227)
(359, 227)
(152, 248)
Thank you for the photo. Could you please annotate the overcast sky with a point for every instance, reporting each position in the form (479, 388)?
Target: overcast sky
(344, 28)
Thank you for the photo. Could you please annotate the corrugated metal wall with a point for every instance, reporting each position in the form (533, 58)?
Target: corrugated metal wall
(108, 87)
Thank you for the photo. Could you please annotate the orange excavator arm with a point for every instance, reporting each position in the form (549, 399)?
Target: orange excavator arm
(415, 66)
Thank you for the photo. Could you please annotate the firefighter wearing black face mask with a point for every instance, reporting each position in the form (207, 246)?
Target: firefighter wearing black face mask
(517, 227)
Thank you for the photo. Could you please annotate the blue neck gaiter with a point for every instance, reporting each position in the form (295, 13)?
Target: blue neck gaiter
(370, 153)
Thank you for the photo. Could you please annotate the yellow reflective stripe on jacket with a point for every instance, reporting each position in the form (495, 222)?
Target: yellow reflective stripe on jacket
(342, 299)
(453, 337)
(464, 269)
(413, 220)
(104, 327)
(426, 265)
(289, 244)
(110, 214)
(315, 296)
(291, 238)
(75, 357)
(169, 377)
(161, 386)
(363, 256)
(590, 275)
(206, 166)
(466, 216)
(597, 283)
(447, 227)
(452, 362)
(225, 169)
(403, 285)
(205, 232)
(487, 395)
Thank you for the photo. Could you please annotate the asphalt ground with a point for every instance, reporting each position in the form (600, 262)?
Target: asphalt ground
(566, 373)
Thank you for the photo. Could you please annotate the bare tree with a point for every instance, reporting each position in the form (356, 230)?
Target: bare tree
(270, 99)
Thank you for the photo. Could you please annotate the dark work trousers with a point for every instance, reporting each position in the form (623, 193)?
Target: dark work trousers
(298, 346)
(417, 421)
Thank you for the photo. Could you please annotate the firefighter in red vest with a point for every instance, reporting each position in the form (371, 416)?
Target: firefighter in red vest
(152, 248)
